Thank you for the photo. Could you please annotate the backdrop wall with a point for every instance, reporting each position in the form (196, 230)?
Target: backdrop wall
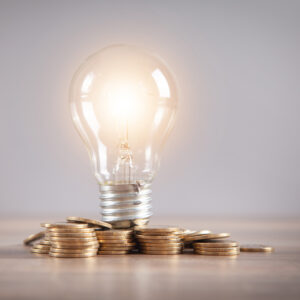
(235, 146)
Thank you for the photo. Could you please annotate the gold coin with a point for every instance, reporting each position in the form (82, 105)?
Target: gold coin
(213, 249)
(114, 232)
(70, 230)
(72, 255)
(157, 237)
(117, 245)
(115, 241)
(90, 221)
(256, 248)
(79, 247)
(195, 237)
(45, 242)
(140, 222)
(161, 252)
(217, 244)
(72, 250)
(114, 237)
(193, 232)
(121, 224)
(162, 247)
(39, 246)
(72, 239)
(187, 232)
(75, 235)
(235, 249)
(160, 242)
(74, 245)
(112, 252)
(40, 251)
(149, 233)
(115, 249)
(157, 229)
(64, 225)
(217, 253)
(34, 237)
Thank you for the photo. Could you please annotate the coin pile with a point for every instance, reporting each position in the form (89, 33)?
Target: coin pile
(115, 241)
(159, 240)
(82, 237)
(72, 240)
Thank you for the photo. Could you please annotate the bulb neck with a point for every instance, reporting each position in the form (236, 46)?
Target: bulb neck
(126, 205)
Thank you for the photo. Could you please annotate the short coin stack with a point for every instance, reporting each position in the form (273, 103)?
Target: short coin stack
(159, 240)
(115, 241)
(210, 244)
(70, 240)
(43, 247)
(217, 248)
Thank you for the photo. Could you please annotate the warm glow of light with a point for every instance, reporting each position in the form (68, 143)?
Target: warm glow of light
(124, 101)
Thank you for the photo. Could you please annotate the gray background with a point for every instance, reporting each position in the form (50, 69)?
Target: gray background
(235, 146)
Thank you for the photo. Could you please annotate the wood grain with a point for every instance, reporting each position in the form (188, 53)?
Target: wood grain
(24, 275)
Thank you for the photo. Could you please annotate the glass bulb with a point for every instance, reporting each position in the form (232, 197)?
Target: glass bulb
(123, 103)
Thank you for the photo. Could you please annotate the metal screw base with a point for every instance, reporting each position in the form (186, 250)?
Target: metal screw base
(126, 205)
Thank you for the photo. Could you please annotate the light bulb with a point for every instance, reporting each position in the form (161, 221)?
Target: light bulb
(123, 104)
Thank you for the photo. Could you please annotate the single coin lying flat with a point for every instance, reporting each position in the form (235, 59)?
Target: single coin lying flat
(256, 248)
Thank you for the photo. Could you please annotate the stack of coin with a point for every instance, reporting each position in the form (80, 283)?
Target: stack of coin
(40, 248)
(72, 240)
(43, 247)
(217, 248)
(159, 240)
(115, 241)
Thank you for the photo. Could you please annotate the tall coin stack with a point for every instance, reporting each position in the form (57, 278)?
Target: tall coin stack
(70, 240)
(159, 240)
(115, 241)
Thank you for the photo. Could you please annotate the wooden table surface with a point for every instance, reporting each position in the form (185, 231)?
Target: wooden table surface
(24, 275)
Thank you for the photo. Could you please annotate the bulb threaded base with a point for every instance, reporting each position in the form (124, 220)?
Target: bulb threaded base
(126, 205)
